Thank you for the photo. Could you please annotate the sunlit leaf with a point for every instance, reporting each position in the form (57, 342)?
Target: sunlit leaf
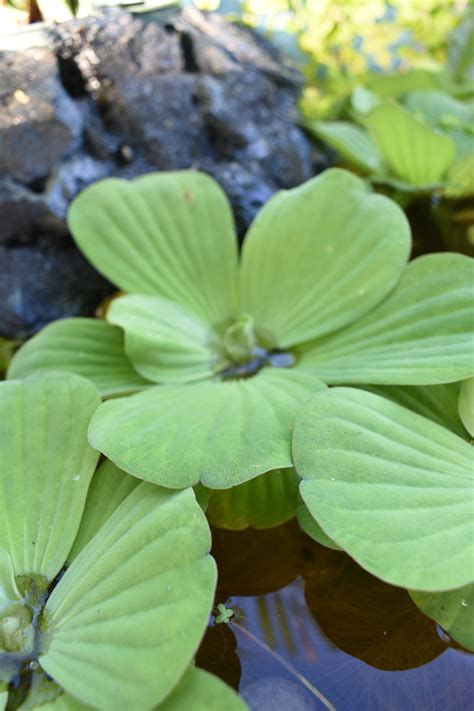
(412, 150)
(312, 528)
(125, 621)
(163, 234)
(420, 335)
(85, 346)
(392, 488)
(200, 691)
(164, 342)
(109, 487)
(453, 610)
(351, 142)
(46, 465)
(312, 263)
(460, 177)
(219, 433)
(65, 702)
(466, 405)
(264, 502)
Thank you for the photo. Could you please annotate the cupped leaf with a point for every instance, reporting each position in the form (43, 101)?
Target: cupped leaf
(452, 610)
(412, 150)
(200, 691)
(88, 347)
(466, 405)
(264, 502)
(124, 622)
(312, 528)
(219, 433)
(420, 335)
(313, 262)
(109, 487)
(393, 489)
(46, 465)
(437, 402)
(164, 342)
(351, 142)
(162, 234)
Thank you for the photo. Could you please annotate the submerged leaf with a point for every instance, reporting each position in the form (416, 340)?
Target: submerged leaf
(453, 610)
(125, 621)
(264, 502)
(46, 465)
(420, 335)
(88, 347)
(219, 433)
(393, 489)
(164, 342)
(163, 234)
(320, 256)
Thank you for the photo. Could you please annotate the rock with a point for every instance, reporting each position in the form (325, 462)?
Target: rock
(110, 95)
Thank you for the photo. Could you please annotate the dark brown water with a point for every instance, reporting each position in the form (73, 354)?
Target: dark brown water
(312, 630)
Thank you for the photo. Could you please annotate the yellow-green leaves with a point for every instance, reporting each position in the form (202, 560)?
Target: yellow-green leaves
(393, 489)
(453, 610)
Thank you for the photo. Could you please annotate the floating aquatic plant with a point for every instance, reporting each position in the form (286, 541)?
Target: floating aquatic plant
(226, 352)
(104, 596)
(395, 490)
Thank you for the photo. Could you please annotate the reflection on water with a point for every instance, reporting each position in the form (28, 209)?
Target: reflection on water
(311, 623)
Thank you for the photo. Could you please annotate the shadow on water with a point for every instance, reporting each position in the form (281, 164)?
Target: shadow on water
(312, 630)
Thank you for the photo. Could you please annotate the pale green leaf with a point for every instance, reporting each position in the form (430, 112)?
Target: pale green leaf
(393, 489)
(109, 487)
(312, 528)
(264, 502)
(453, 610)
(9, 593)
(126, 619)
(420, 335)
(46, 465)
(65, 702)
(219, 433)
(351, 142)
(312, 263)
(440, 109)
(3, 699)
(163, 234)
(391, 85)
(85, 346)
(437, 402)
(164, 342)
(460, 178)
(412, 150)
(200, 691)
(363, 100)
(466, 405)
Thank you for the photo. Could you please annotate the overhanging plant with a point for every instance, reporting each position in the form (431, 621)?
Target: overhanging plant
(394, 487)
(119, 628)
(226, 353)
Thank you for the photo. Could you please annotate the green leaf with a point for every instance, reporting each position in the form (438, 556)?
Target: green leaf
(200, 691)
(351, 142)
(163, 234)
(85, 346)
(452, 610)
(109, 487)
(437, 402)
(127, 617)
(439, 109)
(65, 702)
(9, 593)
(46, 465)
(312, 528)
(420, 335)
(312, 263)
(264, 502)
(466, 405)
(460, 178)
(393, 489)
(164, 342)
(219, 433)
(411, 149)
(387, 85)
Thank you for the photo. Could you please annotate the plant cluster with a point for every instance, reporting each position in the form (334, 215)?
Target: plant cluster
(316, 373)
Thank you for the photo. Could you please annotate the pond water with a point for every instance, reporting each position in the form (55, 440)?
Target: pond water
(312, 630)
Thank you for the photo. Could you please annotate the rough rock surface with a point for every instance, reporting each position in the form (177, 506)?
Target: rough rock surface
(113, 95)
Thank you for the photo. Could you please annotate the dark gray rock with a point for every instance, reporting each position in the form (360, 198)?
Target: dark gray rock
(111, 95)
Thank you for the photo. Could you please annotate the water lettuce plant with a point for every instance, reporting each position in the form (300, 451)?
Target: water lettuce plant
(421, 143)
(105, 592)
(225, 351)
(388, 477)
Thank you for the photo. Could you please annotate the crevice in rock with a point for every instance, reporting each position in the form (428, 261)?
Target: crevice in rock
(188, 54)
(71, 77)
